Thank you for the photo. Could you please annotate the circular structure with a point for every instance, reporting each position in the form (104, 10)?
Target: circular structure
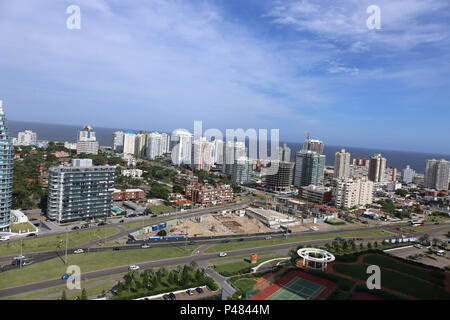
(314, 258)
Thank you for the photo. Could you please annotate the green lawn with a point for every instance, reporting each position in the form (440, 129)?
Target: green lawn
(265, 253)
(383, 261)
(50, 243)
(36, 295)
(421, 228)
(53, 269)
(244, 284)
(161, 209)
(236, 267)
(395, 281)
(22, 227)
(292, 239)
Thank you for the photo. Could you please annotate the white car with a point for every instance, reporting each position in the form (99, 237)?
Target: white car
(440, 253)
(19, 257)
(314, 229)
(418, 246)
(222, 254)
(5, 238)
(133, 268)
(268, 238)
(145, 246)
(78, 251)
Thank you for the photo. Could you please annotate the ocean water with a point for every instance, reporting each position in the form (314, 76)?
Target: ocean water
(57, 132)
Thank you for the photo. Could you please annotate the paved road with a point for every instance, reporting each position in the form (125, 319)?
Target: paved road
(201, 259)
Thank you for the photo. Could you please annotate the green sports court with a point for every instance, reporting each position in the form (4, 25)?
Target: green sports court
(298, 289)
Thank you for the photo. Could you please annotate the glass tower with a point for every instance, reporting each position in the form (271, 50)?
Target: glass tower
(6, 172)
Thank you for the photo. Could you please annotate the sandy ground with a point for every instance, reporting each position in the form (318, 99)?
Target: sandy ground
(223, 225)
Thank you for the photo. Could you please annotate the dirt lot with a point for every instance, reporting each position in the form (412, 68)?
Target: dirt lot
(430, 259)
(223, 225)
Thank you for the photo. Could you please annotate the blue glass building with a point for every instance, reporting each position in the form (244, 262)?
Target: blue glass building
(6, 172)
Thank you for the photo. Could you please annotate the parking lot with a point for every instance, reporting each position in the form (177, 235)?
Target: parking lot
(427, 258)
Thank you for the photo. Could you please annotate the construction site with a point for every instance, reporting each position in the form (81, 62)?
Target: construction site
(221, 224)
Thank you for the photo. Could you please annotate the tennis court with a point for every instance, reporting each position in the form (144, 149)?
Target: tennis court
(298, 289)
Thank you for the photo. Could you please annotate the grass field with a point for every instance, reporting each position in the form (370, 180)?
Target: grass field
(36, 295)
(244, 284)
(54, 269)
(236, 267)
(383, 261)
(395, 281)
(260, 254)
(50, 243)
(22, 227)
(421, 228)
(292, 239)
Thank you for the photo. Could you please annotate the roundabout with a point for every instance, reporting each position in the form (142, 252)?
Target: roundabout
(314, 258)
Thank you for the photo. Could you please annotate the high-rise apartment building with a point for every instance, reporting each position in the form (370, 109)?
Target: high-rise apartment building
(156, 145)
(140, 142)
(280, 181)
(437, 174)
(349, 193)
(6, 171)
(218, 151)
(232, 150)
(284, 153)
(341, 164)
(87, 142)
(309, 168)
(377, 166)
(27, 138)
(117, 143)
(80, 191)
(202, 154)
(129, 143)
(181, 147)
(313, 145)
(241, 170)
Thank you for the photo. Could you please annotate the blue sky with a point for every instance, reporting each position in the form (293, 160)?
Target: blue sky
(298, 65)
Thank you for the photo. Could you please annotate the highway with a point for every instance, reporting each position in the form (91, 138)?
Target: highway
(184, 260)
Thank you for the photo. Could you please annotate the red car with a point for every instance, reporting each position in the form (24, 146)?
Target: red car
(359, 239)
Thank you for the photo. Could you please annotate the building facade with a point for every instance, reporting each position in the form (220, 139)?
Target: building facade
(341, 164)
(350, 193)
(26, 138)
(241, 170)
(129, 143)
(377, 167)
(6, 172)
(309, 168)
(117, 141)
(437, 174)
(316, 194)
(87, 142)
(80, 191)
(281, 181)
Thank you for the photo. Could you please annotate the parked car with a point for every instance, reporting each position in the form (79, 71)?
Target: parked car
(222, 254)
(32, 235)
(440, 253)
(66, 276)
(78, 251)
(189, 292)
(241, 239)
(133, 268)
(101, 224)
(145, 246)
(84, 226)
(268, 238)
(154, 215)
(359, 239)
(172, 296)
(166, 297)
(76, 228)
(314, 228)
(122, 221)
(418, 246)
(5, 238)
(116, 248)
(365, 222)
(19, 257)
(199, 290)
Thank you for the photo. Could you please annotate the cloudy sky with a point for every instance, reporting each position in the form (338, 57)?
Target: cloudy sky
(301, 65)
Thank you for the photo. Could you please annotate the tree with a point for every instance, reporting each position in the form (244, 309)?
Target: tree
(193, 265)
(185, 276)
(369, 245)
(361, 246)
(84, 294)
(198, 275)
(162, 233)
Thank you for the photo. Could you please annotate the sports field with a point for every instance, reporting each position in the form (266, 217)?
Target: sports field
(298, 289)
(296, 285)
